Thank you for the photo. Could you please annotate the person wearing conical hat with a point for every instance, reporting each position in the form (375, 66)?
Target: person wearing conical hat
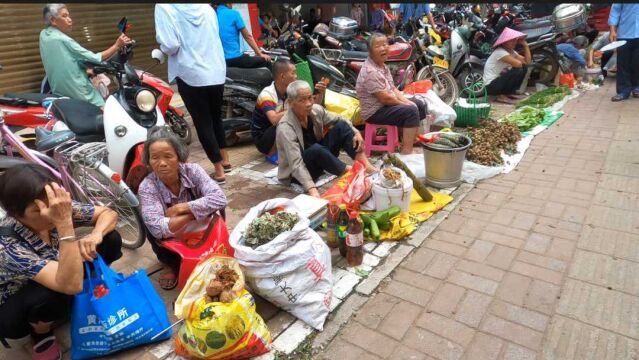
(505, 69)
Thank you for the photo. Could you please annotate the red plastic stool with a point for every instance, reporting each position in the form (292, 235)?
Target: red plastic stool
(391, 139)
(214, 240)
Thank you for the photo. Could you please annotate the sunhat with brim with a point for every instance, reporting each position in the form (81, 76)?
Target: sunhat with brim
(507, 35)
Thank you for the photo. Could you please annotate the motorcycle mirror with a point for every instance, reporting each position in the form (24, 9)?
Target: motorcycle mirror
(297, 9)
(158, 55)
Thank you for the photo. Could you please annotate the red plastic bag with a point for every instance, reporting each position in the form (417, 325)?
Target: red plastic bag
(352, 188)
(418, 87)
(567, 80)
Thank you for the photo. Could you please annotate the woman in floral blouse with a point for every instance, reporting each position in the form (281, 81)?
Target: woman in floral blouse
(40, 257)
(174, 194)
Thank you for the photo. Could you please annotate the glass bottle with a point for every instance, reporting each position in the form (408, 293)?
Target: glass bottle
(355, 240)
(342, 226)
(332, 216)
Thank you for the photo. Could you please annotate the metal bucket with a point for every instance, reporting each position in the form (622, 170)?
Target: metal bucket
(444, 166)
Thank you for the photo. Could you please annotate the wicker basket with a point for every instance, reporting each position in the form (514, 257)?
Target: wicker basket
(468, 114)
(303, 71)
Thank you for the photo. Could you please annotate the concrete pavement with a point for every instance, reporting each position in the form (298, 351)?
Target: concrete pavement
(538, 263)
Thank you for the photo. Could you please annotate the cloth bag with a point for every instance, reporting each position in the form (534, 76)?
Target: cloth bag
(129, 315)
(293, 271)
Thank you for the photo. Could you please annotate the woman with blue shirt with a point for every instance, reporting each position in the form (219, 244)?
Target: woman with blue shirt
(231, 26)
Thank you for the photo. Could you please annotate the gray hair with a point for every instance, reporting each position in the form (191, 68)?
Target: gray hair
(371, 39)
(163, 133)
(50, 12)
(294, 88)
(580, 41)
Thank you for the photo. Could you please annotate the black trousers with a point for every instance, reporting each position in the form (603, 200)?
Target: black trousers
(628, 67)
(322, 156)
(204, 103)
(264, 142)
(248, 62)
(507, 83)
(403, 116)
(167, 257)
(35, 303)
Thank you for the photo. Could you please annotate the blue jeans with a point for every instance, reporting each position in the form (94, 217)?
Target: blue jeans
(322, 156)
(628, 68)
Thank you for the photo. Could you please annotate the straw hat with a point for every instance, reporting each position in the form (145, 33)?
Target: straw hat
(507, 35)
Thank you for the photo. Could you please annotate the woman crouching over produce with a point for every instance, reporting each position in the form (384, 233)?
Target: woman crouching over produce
(381, 102)
(505, 69)
(40, 256)
(173, 194)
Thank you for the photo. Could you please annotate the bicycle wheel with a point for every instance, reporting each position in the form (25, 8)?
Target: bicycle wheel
(100, 190)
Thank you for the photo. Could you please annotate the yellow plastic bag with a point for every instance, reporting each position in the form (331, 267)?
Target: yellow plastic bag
(343, 105)
(218, 330)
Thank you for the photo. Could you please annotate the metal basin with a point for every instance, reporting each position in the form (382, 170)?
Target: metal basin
(567, 17)
(444, 166)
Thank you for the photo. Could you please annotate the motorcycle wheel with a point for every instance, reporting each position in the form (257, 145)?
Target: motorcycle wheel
(469, 76)
(545, 67)
(179, 125)
(100, 190)
(351, 77)
(449, 91)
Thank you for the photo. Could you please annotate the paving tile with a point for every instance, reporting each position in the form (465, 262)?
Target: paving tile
(370, 340)
(446, 327)
(512, 332)
(433, 345)
(600, 307)
(482, 270)
(513, 288)
(501, 257)
(479, 251)
(473, 282)
(484, 347)
(543, 261)
(519, 315)
(514, 352)
(541, 296)
(473, 308)
(419, 260)
(376, 309)
(615, 219)
(441, 266)
(416, 279)
(340, 349)
(399, 320)
(407, 292)
(537, 272)
(570, 339)
(537, 243)
(610, 242)
(606, 271)
(446, 299)
(452, 249)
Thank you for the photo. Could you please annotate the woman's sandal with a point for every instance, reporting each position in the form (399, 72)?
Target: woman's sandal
(47, 348)
(168, 280)
(219, 180)
(227, 168)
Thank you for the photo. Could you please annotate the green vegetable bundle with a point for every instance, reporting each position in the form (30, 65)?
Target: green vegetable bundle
(526, 118)
(545, 98)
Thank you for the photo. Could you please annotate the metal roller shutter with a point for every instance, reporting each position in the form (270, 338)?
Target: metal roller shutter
(94, 27)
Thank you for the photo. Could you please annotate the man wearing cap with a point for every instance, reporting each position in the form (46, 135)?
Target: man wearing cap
(624, 25)
(505, 69)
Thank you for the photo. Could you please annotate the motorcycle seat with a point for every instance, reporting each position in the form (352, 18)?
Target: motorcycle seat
(354, 55)
(534, 23)
(533, 35)
(81, 117)
(47, 140)
(28, 97)
(259, 76)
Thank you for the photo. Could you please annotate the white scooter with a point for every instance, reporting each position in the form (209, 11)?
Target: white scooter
(128, 115)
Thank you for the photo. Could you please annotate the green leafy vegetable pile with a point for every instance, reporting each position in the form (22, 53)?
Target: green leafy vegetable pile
(526, 118)
(545, 98)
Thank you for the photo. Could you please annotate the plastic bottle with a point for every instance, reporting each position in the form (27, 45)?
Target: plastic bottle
(342, 226)
(332, 216)
(355, 240)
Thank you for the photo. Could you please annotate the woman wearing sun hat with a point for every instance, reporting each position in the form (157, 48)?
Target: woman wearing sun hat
(505, 69)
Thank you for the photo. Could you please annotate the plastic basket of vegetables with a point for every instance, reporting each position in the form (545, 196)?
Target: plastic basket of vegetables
(469, 110)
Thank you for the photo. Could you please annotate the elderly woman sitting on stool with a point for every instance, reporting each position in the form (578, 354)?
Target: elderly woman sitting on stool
(173, 194)
(380, 101)
(309, 140)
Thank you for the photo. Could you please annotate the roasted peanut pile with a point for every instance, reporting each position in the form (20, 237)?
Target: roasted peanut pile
(490, 139)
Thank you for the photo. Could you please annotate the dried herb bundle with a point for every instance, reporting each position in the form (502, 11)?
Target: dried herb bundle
(220, 288)
(267, 227)
(490, 139)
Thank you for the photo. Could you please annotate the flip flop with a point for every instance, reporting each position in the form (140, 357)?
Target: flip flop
(220, 180)
(505, 102)
(227, 168)
(168, 280)
(48, 348)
